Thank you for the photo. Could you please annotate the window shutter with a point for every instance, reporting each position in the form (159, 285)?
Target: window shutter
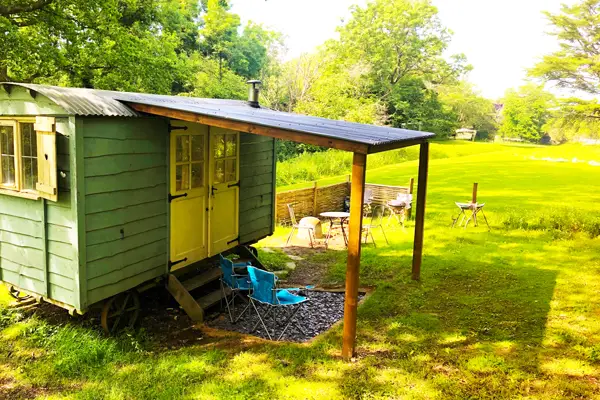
(47, 186)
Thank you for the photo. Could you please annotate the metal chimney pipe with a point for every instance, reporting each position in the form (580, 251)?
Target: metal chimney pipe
(253, 93)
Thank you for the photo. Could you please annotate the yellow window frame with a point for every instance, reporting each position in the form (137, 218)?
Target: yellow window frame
(17, 188)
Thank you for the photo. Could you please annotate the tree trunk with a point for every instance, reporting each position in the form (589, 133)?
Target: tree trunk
(3, 73)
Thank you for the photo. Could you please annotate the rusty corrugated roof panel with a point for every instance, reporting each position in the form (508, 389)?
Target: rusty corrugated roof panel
(91, 102)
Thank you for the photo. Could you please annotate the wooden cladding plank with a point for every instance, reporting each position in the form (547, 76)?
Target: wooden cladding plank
(127, 272)
(59, 233)
(255, 170)
(63, 250)
(62, 281)
(125, 198)
(20, 207)
(125, 215)
(104, 292)
(250, 138)
(58, 293)
(57, 215)
(251, 159)
(118, 261)
(256, 147)
(108, 249)
(124, 128)
(62, 266)
(256, 191)
(134, 180)
(24, 270)
(25, 256)
(126, 229)
(257, 213)
(117, 164)
(254, 225)
(255, 202)
(98, 147)
(21, 281)
(20, 240)
(255, 235)
(256, 180)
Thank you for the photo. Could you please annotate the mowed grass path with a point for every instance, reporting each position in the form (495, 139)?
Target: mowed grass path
(509, 313)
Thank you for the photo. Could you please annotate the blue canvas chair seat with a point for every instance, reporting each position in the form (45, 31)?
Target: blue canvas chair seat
(286, 298)
(235, 277)
(264, 291)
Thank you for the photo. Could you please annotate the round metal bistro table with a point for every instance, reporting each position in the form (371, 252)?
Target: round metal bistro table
(334, 217)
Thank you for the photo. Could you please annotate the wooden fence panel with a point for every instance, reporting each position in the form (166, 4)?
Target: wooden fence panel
(315, 200)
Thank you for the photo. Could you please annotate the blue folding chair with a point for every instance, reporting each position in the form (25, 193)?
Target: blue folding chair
(265, 292)
(236, 279)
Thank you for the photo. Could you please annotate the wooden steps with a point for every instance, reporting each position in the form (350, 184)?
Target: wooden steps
(203, 283)
(212, 298)
(200, 280)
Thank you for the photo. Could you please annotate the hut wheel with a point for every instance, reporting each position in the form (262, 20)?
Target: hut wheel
(120, 311)
(17, 294)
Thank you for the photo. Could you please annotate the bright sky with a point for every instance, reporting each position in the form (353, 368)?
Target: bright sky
(501, 38)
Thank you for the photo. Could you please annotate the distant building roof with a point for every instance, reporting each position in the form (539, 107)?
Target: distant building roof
(360, 137)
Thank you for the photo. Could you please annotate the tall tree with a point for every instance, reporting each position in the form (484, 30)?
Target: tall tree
(526, 112)
(397, 47)
(111, 44)
(576, 66)
(471, 109)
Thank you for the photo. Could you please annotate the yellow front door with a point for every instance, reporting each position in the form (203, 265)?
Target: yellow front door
(188, 193)
(224, 190)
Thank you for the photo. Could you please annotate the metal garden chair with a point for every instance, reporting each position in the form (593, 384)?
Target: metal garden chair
(236, 282)
(475, 208)
(264, 291)
(296, 226)
(377, 216)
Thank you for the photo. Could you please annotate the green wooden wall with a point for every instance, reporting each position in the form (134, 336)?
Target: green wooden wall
(37, 251)
(257, 187)
(126, 208)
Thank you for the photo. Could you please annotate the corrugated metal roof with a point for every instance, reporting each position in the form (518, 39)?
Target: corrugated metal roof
(88, 102)
(108, 103)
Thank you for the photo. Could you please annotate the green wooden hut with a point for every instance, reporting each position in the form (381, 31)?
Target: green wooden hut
(102, 192)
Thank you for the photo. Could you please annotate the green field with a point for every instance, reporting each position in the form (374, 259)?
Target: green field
(511, 313)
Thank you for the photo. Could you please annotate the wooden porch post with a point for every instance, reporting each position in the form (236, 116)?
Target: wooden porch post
(359, 164)
(420, 213)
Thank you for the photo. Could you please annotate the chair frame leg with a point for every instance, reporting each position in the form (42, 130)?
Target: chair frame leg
(288, 322)
(289, 239)
(226, 301)
(384, 235)
(485, 219)
(260, 320)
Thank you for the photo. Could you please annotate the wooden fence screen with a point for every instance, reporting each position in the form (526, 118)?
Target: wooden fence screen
(317, 199)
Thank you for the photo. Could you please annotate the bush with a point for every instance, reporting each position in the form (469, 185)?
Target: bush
(563, 220)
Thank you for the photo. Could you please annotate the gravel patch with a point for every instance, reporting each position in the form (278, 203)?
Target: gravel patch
(318, 314)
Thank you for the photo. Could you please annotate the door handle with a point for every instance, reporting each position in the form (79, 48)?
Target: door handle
(171, 197)
(212, 190)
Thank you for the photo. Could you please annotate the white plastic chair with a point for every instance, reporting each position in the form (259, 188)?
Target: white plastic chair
(296, 227)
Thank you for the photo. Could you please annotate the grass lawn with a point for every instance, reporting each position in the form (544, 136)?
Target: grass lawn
(511, 313)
